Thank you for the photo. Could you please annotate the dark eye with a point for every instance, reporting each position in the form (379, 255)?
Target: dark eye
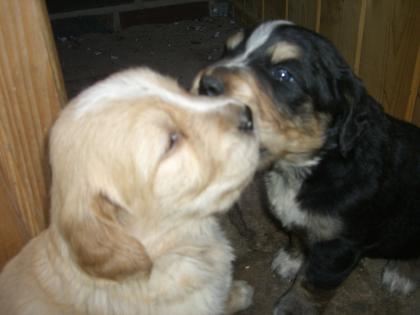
(173, 140)
(282, 74)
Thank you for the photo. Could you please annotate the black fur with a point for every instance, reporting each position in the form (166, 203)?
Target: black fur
(368, 175)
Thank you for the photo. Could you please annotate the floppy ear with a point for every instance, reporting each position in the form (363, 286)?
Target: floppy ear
(354, 120)
(101, 246)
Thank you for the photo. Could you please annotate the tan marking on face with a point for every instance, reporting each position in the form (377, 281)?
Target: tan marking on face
(234, 40)
(283, 51)
(292, 137)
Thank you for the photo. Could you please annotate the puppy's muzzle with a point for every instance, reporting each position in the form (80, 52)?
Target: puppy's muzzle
(245, 119)
(210, 86)
(239, 117)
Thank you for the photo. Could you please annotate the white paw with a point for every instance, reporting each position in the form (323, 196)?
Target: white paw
(286, 265)
(240, 297)
(397, 283)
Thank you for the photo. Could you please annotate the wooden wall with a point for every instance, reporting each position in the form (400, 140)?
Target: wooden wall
(379, 38)
(31, 93)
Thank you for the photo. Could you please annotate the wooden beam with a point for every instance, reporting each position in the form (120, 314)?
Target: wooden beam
(389, 49)
(274, 9)
(304, 13)
(414, 92)
(360, 33)
(136, 5)
(31, 93)
(339, 23)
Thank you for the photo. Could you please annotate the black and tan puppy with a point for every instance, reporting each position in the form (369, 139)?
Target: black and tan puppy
(340, 173)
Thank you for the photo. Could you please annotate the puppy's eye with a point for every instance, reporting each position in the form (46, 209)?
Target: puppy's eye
(282, 75)
(173, 140)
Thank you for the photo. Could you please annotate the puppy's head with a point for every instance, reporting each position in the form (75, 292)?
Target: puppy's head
(301, 91)
(134, 152)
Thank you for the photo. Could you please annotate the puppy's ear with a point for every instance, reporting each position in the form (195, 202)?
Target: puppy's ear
(354, 118)
(101, 246)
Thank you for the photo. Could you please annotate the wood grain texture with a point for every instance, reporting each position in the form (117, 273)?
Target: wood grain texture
(416, 113)
(254, 8)
(412, 113)
(360, 33)
(243, 16)
(274, 9)
(12, 232)
(251, 12)
(340, 24)
(304, 13)
(31, 93)
(388, 57)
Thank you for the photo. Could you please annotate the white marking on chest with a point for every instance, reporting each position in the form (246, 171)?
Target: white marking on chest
(282, 189)
(282, 192)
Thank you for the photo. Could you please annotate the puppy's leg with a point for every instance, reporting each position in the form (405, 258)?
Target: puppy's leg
(288, 260)
(240, 296)
(401, 276)
(328, 264)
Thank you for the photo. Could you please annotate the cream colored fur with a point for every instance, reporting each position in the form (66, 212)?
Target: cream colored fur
(140, 169)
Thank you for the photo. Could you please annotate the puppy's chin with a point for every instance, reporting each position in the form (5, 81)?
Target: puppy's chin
(222, 201)
(269, 160)
(234, 196)
(266, 160)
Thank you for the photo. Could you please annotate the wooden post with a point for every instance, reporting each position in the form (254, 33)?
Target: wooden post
(31, 93)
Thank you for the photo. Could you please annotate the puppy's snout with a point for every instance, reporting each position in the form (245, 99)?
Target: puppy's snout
(210, 86)
(245, 119)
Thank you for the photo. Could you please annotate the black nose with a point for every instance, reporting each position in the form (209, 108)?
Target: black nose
(245, 120)
(210, 86)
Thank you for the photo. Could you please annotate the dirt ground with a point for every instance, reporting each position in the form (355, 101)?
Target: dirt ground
(180, 49)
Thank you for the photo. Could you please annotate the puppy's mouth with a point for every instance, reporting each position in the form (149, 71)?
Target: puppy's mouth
(246, 120)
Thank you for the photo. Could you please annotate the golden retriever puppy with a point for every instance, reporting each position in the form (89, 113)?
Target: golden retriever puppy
(140, 170)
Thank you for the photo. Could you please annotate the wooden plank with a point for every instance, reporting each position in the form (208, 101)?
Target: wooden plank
(12, 232)
(31, 93)
(340, 24)
(360, 33)
(304, 13)
(274, 9)
(246, 14)
(254, 8)
(414, 90)
(243, 18)
(389, 49)
(416, 113)
(238, 3)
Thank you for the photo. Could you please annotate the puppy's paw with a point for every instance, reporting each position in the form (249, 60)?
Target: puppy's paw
(286, 264)
(396, 282)
(240, 296)
(294, 304)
